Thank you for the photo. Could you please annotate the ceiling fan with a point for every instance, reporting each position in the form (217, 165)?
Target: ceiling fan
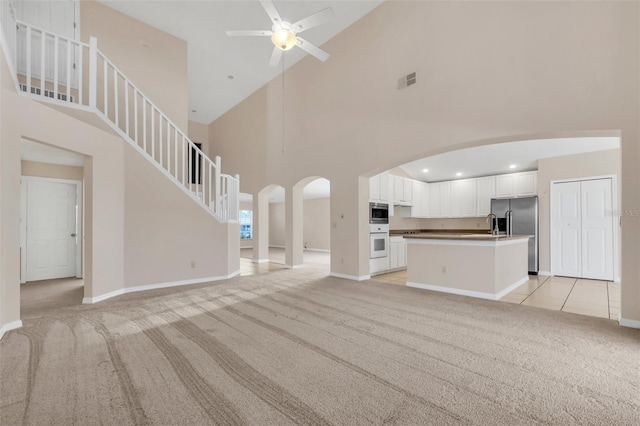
(284, 34)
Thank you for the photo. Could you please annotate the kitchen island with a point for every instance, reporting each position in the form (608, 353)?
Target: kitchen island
(477, 265)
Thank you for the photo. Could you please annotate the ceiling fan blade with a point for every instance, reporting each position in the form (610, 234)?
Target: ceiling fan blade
(325, 15)
(312, 49)
(275, 57)
(271, 11)
(265, 33)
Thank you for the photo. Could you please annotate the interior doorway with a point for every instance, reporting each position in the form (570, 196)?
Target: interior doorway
(583, 240)
(52, 235)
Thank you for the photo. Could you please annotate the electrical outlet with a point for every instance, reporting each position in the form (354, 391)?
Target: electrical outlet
(193, 264)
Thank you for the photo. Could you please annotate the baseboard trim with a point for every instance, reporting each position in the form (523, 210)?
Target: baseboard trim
(270, 246)
(92, 300)
(119, 292)
(545, 273)
(10, 326)
(628, 323)
(260, 260)
(294, 266)
(617, 280)
(470, 293)
(350, 277)
(318, 249)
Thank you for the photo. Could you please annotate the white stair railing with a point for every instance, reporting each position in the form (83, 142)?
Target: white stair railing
(57, 69)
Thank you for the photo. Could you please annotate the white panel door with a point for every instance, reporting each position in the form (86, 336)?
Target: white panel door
(597, 229)
(51, 230)
(566, 223)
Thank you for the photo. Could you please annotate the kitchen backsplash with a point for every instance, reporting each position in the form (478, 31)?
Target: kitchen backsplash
(397, 222)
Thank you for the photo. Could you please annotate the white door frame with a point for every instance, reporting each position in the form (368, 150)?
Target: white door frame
(614, 213)
(24, 182)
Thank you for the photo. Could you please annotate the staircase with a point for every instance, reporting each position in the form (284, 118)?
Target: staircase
(55, 69)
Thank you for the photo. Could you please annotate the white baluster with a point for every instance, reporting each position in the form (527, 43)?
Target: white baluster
(28, 58)
(93, 71)
(160, 144)
(153, 131)
(115, 96)
(126, 107)
(168, 145)
(175, 152)
(217, 183)
(68, 70)
(135, 115)
(184, 165)
(144, 124)
(79, 74)
(56, 65)
(106, 81)
(43, 40)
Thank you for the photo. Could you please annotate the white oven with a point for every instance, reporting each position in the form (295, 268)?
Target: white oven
(378, 241)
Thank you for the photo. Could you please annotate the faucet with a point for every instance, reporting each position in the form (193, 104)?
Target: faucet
(493, 224)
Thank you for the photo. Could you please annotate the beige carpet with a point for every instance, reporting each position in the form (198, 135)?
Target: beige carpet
(293, 347)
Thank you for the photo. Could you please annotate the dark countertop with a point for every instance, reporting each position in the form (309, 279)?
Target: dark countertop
(467, 237)
(437, 231)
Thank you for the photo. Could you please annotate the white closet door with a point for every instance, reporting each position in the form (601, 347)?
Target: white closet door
(597, 229)
(51, 230)
(567, 228)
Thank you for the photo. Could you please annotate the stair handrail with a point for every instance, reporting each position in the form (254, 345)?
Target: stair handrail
(191, 169)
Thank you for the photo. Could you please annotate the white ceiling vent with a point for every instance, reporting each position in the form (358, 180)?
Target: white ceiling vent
(407, 80)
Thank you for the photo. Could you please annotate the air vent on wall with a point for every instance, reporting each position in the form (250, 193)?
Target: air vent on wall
(47, 93)
(407, 80)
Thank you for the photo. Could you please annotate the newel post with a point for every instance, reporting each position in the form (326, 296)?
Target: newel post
(218, 199)
(93, 71)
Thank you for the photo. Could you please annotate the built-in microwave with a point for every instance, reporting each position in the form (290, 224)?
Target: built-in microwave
(378, 213)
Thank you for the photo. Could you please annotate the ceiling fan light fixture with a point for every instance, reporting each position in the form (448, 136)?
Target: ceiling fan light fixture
(284, 39)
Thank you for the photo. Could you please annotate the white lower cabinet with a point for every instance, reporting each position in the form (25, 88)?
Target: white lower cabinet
(397, 253)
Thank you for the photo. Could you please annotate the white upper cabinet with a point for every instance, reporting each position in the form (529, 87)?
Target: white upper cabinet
(402, 190)
(516, 184)
(425, 197)
(379, 188)
(485, 191)
(526, 184)
(440, 199)
(463, 198)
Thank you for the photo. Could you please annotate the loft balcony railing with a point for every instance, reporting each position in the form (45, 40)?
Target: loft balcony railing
(57, 69)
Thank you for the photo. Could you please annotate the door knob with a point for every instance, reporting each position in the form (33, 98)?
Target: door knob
(74, 235)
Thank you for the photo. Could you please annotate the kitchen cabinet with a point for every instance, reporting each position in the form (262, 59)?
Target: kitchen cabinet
(419, 200)
(463, 198)
(379, 188)
(516, 184)
(440, 199)
(397, 252)
(485, 191)
(402, 190)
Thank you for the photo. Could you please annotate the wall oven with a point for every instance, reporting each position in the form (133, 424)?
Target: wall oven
(379, 241)
(378, 213)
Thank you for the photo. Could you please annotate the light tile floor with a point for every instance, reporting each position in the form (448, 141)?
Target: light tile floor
(586, 297)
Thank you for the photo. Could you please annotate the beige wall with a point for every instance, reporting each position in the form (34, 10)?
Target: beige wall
(569, 167)
(199, 133)
(277, 224)
(165, 231)
(57, 171)
(316, 227)
(487, 72)
(159, 70)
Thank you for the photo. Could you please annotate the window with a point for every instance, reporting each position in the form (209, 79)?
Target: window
(246, 218)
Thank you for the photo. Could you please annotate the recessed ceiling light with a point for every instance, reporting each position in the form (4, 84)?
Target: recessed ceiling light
(512, 166)
(425, 170)
(230, 77)
(459, 174)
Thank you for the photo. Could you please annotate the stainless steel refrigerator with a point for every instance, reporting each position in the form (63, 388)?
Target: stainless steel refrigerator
(519, 216)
